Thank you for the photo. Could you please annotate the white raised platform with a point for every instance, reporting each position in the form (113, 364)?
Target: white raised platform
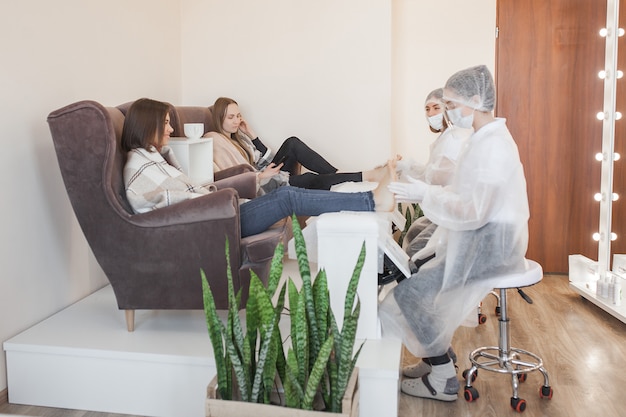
(83, 358)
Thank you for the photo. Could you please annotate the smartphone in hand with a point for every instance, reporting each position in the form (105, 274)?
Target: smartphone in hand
(281, 160)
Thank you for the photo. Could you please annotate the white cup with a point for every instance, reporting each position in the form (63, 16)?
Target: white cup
(194, 130)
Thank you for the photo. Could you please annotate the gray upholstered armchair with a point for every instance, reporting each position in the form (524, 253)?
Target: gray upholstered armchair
(153, 260)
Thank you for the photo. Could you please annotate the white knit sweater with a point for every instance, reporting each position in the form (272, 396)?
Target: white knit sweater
(152, 182)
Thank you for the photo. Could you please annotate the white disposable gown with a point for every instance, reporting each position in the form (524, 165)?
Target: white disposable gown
(444, 152)
(439, 169)
(482, 234)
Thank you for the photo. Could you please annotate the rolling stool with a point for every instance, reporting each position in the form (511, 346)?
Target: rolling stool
(504, 358)
(482, 319)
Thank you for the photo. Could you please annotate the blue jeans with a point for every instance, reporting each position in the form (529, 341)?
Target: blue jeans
(259, 214)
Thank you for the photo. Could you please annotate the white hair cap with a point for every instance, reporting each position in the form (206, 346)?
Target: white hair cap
(435, 95)
(471, 83)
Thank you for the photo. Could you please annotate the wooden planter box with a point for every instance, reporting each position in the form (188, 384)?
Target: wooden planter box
(216, 407)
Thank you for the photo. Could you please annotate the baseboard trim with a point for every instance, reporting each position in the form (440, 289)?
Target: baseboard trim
(4, 396)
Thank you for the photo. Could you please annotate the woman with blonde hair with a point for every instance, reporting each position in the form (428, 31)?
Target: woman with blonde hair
(235, 142)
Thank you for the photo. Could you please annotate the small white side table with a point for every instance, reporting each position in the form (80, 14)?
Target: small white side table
(195, 157)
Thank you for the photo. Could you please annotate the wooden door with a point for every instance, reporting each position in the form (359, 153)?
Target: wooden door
(548, 55)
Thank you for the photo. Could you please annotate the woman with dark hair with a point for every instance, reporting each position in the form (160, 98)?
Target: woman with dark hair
(153, 179)
(236, 143)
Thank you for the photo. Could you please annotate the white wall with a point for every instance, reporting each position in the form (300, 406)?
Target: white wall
(54, 53)
(431, 41)
(349, 76)
(319, 70)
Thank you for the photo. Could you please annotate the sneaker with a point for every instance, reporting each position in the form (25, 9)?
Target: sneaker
(423, 388)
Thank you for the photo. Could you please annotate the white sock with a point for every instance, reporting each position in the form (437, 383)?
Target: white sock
(443, 378)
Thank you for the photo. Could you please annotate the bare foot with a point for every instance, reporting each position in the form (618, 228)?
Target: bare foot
(383, 198)
(380, 172)
(376, 174)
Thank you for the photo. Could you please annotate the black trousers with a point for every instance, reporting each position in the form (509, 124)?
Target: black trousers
(322, 176)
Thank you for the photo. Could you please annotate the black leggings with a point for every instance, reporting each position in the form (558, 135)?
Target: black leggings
(322, 176)
(323, 181)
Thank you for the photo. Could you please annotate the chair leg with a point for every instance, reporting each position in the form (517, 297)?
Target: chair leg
(130, 320)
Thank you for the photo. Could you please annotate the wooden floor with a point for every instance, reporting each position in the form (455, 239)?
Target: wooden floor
(582, 347)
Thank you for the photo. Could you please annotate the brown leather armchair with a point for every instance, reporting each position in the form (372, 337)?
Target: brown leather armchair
(153, 260)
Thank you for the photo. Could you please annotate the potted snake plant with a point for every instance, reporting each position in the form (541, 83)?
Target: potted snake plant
(259, 370)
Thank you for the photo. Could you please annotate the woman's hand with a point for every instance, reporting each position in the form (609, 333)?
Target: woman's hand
(246, 129)
(271, 170)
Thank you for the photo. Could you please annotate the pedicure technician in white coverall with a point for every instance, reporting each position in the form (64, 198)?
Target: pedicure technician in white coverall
(439, 170)
(483, 232)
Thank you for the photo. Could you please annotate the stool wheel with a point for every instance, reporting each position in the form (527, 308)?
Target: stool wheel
(522, 377)
(474, 375)
(482, 319)
(470, 394)
(546, 392)
(518, 404)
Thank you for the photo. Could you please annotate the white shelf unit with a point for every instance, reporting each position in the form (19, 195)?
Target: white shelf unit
(584, 277)
(195, 157)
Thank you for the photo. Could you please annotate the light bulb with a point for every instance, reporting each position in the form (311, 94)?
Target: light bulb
(618, 115)
(599, 156)
(597, 196)
(616, 156)
(615, 196)
(620, 32)
(603, 32)
(602, 74)
(613, 236)
(600, 115)
(620, 74)
(596, 236)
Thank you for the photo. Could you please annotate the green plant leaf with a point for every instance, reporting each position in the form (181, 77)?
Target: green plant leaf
(277, 344)
(348, 333)
(300, 340)
(264, 356)
(345, 367)
(354, 283)
(316, 374)
(268, 318)
(305, 274)
(239, 369)
(253, 322)
(233, 308)
(321, 298)
(276, 269)
(294, 296)
(216, 330)
(355, 358)
(293, 390)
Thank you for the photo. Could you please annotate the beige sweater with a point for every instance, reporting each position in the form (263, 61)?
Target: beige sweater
(226, 154)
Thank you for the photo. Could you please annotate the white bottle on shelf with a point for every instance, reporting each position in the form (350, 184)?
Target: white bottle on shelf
(599, 283)
(617, 292)
(605, 288)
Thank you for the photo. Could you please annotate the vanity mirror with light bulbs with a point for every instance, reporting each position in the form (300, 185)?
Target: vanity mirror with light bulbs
(603, 282)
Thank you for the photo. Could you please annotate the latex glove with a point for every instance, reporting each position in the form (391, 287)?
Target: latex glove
(403, 165)
(409, 192)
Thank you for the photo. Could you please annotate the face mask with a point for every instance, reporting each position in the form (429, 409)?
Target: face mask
(436, 121)
(457, 118)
